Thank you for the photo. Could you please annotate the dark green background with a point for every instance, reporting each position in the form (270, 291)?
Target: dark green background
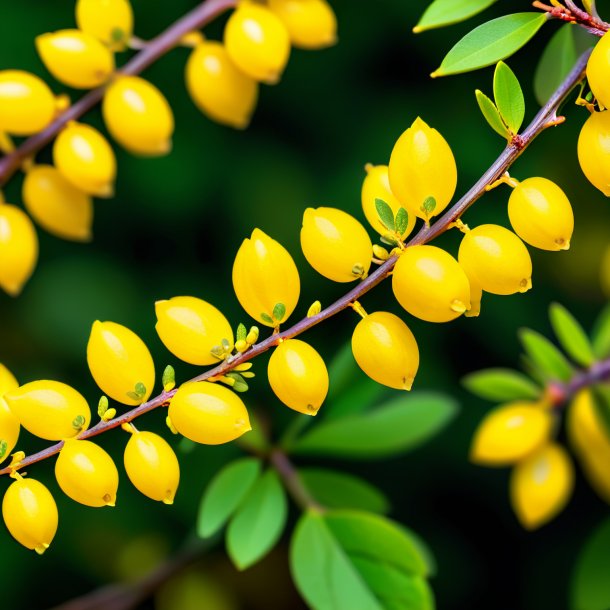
(174, 227)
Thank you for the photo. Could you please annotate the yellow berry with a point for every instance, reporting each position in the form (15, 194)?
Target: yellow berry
(84, 157)
(120, 363)
(75, 58)
(422, 169)
(496, 259)
(152, 466)
(386, 350)
(9, 424)
(335, 244)
(311, 24)
(110, 21)
(218, 87)
(510, 433)
(258, 42)
(541, 484)
(541, 214)
(298, 376)
(49, 409)
(138, 116)
(264, 275)
(598, 68)
(594, 150)
(30, 514)
(27, 105)
(430, 284)
(18, 248)
(56, 204)
(208, 413)
(376, 185)
(87, 474)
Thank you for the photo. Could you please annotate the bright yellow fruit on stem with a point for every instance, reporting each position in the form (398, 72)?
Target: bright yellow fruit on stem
(110, 21)
(30, 514)
(510, 433)
(258, 42)
(120, 363)
(298, 376)
(82, 154)
(430, 284)
(264, 275)
(312, 24)
(598, 68)
(386, 350)
(138, 116)
(335, 244)
(422, 168)
(18, 248)
(220, 90)
(152, 466)
(594, 150)
(376, 185)
(49, 409)
(208, 413)
(541, 214)
(9, 424)
(75, 58)
(541, 485)
(496, 259)
(27, 105)
(190, 328)
(56, 204)
(87, 474)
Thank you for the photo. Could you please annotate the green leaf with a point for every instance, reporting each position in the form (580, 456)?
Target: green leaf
(279, 311)
(446, 12)
(428, 205)
(169, 376)
(259, 522)
(225, 493)
(102, 405)
(267, 318)
(140, 389)
(501, 385)
(78, 422)
(241, 333)
(341, 490)
(357, 398)
(402, 221)
(491, 114)
(384, 211)
(571, 335)
(400, 425)
(547, 359)
(490, 42)
(509, 97)
(600, 337)
(3, 449)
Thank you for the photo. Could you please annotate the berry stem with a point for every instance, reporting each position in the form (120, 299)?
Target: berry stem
(292, 481)
(562, 393)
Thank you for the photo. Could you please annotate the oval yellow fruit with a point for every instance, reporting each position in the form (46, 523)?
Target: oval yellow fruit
(594, 150)
(312, 24)
(9, 424)
(110, 21)
(598, 68)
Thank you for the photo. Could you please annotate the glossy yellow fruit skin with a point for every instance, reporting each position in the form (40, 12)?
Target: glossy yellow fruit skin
(335, 244)
(84, 157)
(191, 327)
(376, 185)
(594, 150)
(27, 105)
(152, 466)
(298, 376)
(264, 274)
(110, 21)
(138, 116)
(476, 295)
(87, 474)
(541, 214)
(430, 284)
(49, 409)
(119, 360)
(496, 259)
(510, 433)
(220, 90)
(311, 24)
(75, 58)
(56, 204)
(30, 514)
(421, 166)
(258, 42)
(541, 485)
(598, 68)
(9, 424)
(208, 413)
(18, 249)
(386, 350)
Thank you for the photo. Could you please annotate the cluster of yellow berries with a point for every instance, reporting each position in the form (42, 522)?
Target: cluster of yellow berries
(222, 79)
